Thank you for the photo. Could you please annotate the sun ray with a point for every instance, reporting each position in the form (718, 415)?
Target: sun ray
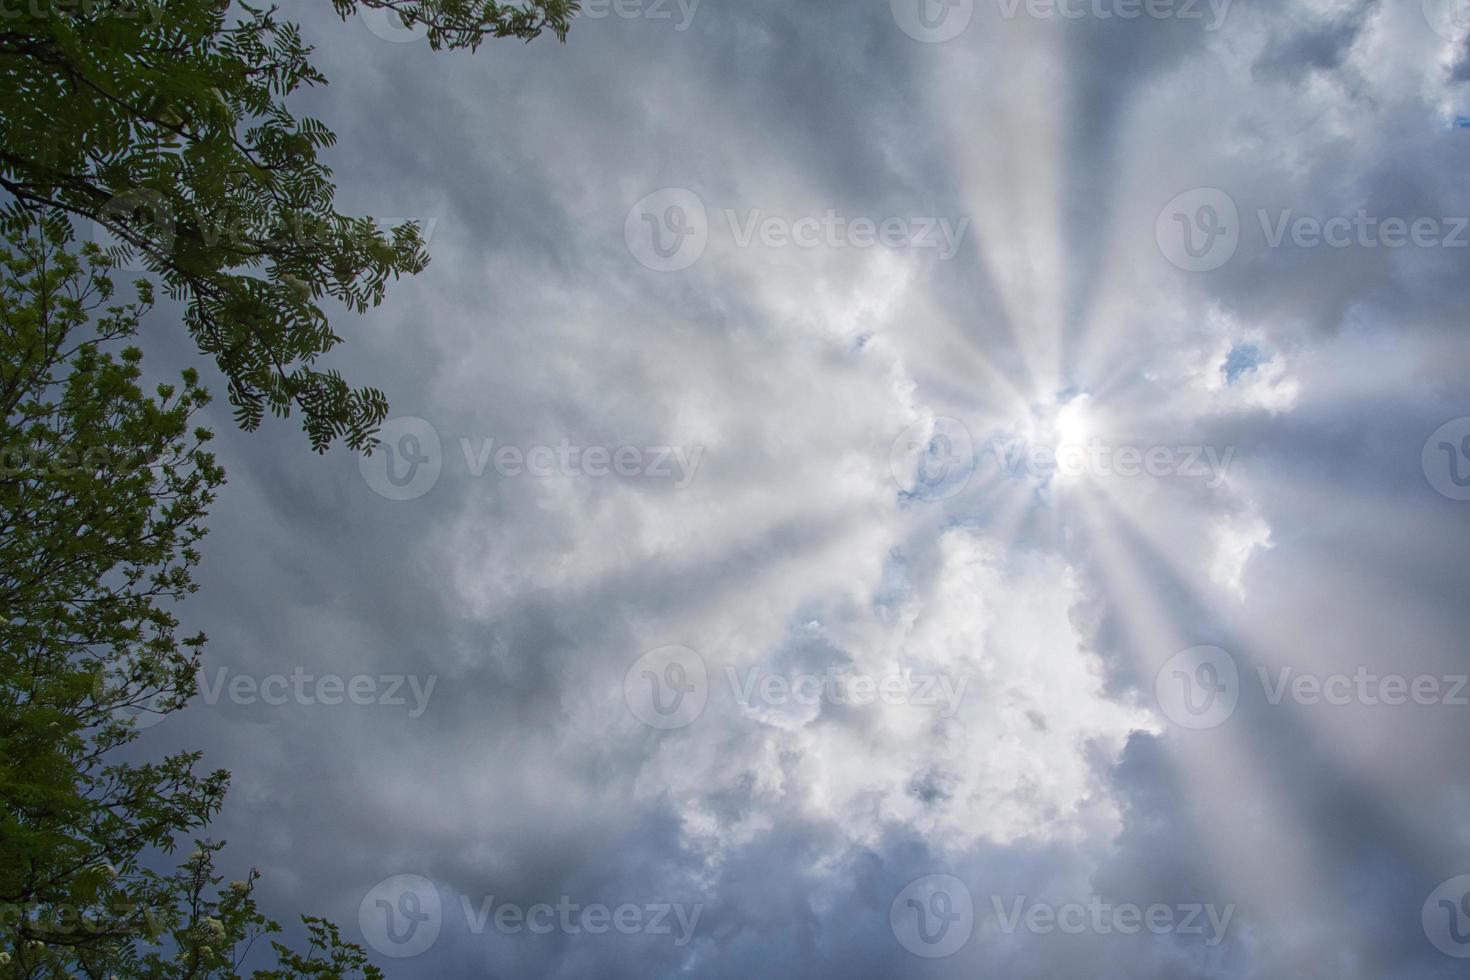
(1369, 755)
(1001, 143)
(1268, 881)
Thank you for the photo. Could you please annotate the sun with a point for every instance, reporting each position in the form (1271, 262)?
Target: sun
(1073, 422)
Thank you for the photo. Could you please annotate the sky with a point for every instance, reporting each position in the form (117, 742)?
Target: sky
(940, 488)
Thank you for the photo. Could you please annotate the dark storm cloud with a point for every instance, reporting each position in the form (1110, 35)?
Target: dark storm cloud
(1320, 47)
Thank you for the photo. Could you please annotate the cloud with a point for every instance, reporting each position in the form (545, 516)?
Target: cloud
(792, 557)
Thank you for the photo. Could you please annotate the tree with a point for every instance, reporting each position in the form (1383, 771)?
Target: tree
(165, 122)
(103, 491)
